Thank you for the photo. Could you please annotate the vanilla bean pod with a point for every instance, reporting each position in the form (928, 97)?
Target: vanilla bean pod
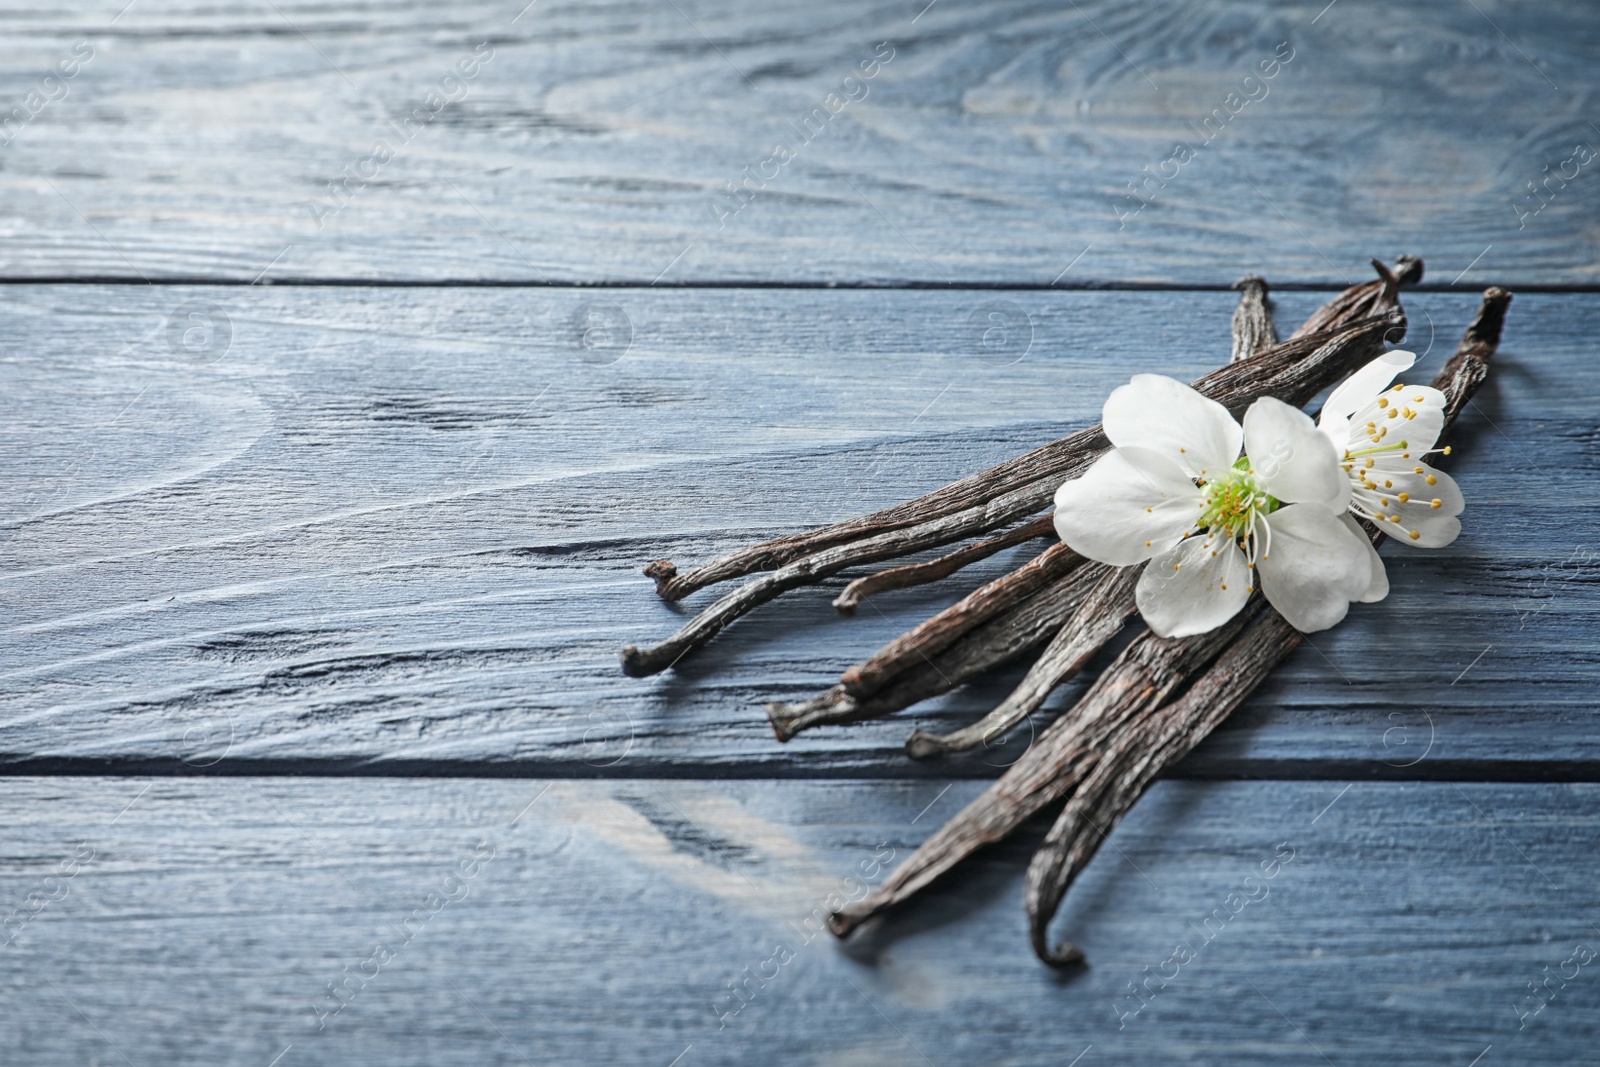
(1465, 371)
(1368, 298)
(1236, 673)
(1299, 369)
(979, 606)
(922, 573)
(1253, 328)
(1142, 677)
(1098, 619)
(1134, 758)
(1020, 629)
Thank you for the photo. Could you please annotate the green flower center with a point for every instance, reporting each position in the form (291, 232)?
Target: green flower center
(1234, 500)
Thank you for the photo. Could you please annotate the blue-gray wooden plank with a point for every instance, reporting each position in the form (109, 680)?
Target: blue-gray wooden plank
(399, 530)
(203, 922)
(993, 142)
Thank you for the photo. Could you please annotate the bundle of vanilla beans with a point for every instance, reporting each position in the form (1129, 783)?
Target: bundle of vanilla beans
(1158, 698)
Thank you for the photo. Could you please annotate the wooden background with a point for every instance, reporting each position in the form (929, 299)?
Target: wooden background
(321, 529)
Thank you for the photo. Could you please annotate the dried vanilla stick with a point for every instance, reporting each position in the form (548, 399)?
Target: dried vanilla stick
(1099, 618)
(1295, 370)
(1359, 301)
(1018, 630)
(1133, 759)
(941, 631)
(1253, 328)
(922, 573)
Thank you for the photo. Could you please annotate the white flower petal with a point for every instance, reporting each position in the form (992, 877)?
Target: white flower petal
(1162, 414)
(1433, 529)
(1378, 587)
(1291, 460)
(1128, 506)
(1356, 391)
(1198, 585)
(1313, 566)
(1392, 478)
(1409, 414)
(1399, 496)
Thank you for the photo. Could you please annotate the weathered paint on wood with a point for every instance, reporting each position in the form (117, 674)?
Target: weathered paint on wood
(399, 530)
(992, 143)
(202, 922)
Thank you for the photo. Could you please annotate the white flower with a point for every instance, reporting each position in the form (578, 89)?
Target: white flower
(1174, 490)
(1381, 435)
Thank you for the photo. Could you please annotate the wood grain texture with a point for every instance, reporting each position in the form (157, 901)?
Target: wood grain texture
(399, 530)
(604, 923)
(998, 144)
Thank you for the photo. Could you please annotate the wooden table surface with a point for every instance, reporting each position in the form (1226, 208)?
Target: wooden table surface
(354, 357)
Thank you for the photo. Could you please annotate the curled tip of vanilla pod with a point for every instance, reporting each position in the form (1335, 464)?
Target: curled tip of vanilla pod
(635, 664)
(787, 720)
(1489, 321)
(663, 571)
(1063, 955)
(1253, 328)
(904, 577)
(923, 745)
